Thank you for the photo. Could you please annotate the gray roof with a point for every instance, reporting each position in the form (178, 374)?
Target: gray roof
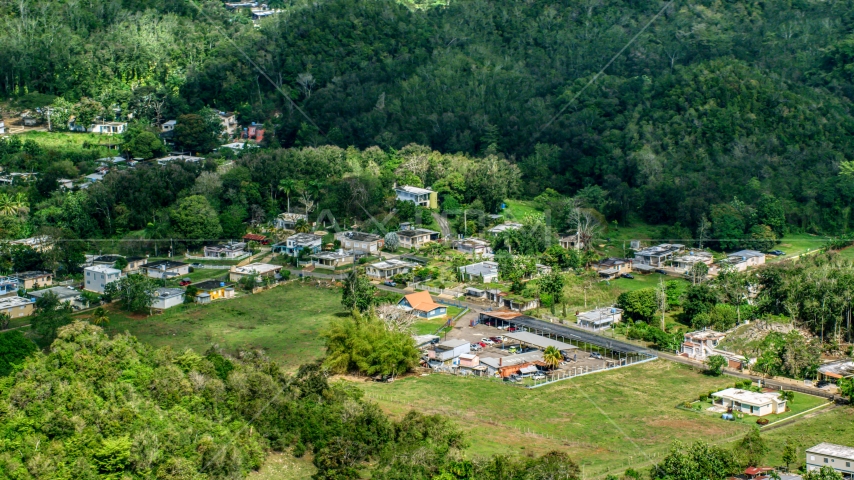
(415, 232)
(169, 292)
(538, 341)
(746, 254)
(842, 368)
(481, 268)
(362, 236)
(510, 360)
(453, 343)
(60, 292)
(303, 238)
(165, 264)
(833, 450)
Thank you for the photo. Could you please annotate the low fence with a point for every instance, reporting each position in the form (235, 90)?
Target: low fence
(452, 303)
(213, 267)
(581, 371)
(436, 290)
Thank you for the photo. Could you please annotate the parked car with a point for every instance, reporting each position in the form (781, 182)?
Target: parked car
(511, 329)
(663, 272)
(595, 355)
(197, 264)
(481, 344)
(476, 348)
(777, 252)
(502, 327)
(184, 282)
(487, 341)
(389, 283)
(496, 339)
(539, 376)
(628, 275)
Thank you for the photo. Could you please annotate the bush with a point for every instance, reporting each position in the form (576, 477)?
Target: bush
(703, 397)
(762, 421)
(285, 274)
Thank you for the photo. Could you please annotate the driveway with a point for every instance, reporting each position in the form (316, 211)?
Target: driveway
(444, 226)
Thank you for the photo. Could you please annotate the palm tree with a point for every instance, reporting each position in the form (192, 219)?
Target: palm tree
(301, 226)
(99, 316)
(287, 186)
(10, 205)
(552, 356)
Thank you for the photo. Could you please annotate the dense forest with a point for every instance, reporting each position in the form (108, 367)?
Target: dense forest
(714, 100)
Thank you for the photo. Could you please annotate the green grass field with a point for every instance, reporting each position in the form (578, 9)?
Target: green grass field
(284, 321)
(426, 326)
(68, 142)
(517, 209)
(801, 404)
(797, 244)
(607, 420)
(835, 425)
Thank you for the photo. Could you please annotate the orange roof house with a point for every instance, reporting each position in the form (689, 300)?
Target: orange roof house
(422, 305)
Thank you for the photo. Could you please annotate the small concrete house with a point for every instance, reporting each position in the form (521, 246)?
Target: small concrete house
(750, 403)
(611, 267)
(63, 294)
(486, 272)
(423, 197)
(8, 286)
(701, 344)
(449, 350)
(34, 279)
(360, 241)
(685, 263)
(17, 307)
(837, 457)
(97, 277)
(287, 221)
(225, 250)
(571, 241)
(743, 259)
(332, 260)
(167, 298)
(416, 238)
(831, 372)
(599, 318)
(229, 123)
(473, 246)
(659, 255)
(166, 269)
(422, 305)
(294, 244)
(210, 290)
(109, 128)
(504, 227)
(259, 269)
(388, 268)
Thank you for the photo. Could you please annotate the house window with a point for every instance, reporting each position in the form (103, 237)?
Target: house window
(812, 458)
(825, 460)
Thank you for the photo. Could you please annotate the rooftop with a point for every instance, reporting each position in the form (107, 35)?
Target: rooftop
(449, 344)
(660, 250)
(164, 265)
(107, 258)
(702, 335)
(209, 285)
(60, 292)
(833, 450)
(480, 268)
(168, 292)
(32, 274)
(511, 360)
(257, 268)
(392, 263)
(600, 315)
(415, 232)
(840, 369)
(414, 190)
(11, 302)
(505, 226)
(693, 256)
(304, 238)
(421, 301)
(748, 397)
(361, 236)
(230, 246)
(102, 269)
(746, 254)
(333, 255)
(538, 341)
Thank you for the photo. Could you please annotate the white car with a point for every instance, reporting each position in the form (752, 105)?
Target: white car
(539, 376)
(476, 348)
(487, 341)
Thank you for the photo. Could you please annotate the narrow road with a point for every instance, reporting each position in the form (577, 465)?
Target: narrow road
(444, 226)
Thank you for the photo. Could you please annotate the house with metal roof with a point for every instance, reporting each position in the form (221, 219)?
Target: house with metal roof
(838, 457)
(421, 304)
(831, 372)
(504, 227)
(225, 250)
(486, 272)
(165, 269)
(599, 318)
(742, 260)
(164, 298)
(293, 245)
(332, 259)
(361, 242)
(750, 403)
(389, 268)
(658, 255)
(417, 237)
(423, 197)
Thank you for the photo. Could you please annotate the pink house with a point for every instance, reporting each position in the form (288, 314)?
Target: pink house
(469, 360)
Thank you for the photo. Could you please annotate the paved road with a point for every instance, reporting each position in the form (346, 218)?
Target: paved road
(443, 224)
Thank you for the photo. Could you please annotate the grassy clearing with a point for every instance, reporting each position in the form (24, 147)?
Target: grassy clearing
(283, 466)
(798, 244)
(834, 425)
(429, 326)
(517, 209)
(604, 420)
(801, 404)
(284, 321)
(73, 142)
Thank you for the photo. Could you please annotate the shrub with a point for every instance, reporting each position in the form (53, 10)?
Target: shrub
(704, 397)
(762, 421)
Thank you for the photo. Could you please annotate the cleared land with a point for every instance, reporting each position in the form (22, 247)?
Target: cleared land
(285, 322)
(609, 420)
(835, 425)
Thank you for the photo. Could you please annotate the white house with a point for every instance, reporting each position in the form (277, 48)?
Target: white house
(751, 403)
(743, 259)
(658, 255)
(167, 298)
(423, 197)
(600, 318)
(504, 227)
(449, 350)
(417, 237)
(388, 268)
(572, 241)
(288, 220)
(701, 344)
(165, 269)
(96, 277)
(473, 246)
(487, 272)
(109, 128)
(168, 126)
(837, 457)
(294, 244)
(360, 241)
(225, 250)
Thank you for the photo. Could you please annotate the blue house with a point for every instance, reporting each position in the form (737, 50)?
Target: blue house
(295, 243)
(421, 304)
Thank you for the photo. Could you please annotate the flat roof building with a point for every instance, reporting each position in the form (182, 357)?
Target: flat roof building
(599, 318)
(751, 403)
(17, 307)
(423, 197)
(837, 457)
(486, 272)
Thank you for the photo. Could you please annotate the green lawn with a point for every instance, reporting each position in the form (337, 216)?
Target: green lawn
(284, 321)
(517, 209)
(426, 326)
(603, 420)
(798, 244)
(835, 425)
(801, 404)
(73, 142)
(847, 253)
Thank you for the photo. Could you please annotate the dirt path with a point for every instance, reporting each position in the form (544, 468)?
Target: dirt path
(444, 226)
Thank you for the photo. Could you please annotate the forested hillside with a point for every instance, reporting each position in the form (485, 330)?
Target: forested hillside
(714, 100)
